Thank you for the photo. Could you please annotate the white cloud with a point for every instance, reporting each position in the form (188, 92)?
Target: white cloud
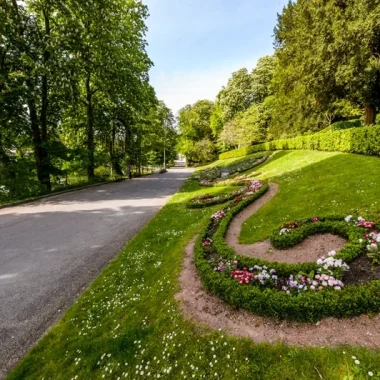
(179, 88)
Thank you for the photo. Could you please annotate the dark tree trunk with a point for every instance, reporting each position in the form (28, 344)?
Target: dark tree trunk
(90, 131)
(40, 153)
(45, 89)
(44, 110)
(140, 156)
(369, 114)
(128, 149)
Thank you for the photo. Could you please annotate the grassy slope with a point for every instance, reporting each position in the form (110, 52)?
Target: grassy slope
(312, 184)
(127, 324)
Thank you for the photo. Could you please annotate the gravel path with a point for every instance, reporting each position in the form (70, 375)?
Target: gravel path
(51, 250)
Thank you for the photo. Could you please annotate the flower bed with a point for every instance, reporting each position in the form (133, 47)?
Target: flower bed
(207, 200)
(212, 175)
(304, 291)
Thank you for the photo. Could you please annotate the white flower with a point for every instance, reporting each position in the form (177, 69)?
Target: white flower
(357, 362)
(348, 218)
(360, 219)
(370, 373)
(332, 253)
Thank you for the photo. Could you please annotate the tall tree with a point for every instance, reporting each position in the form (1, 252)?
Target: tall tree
(194, 126)
(237, 96)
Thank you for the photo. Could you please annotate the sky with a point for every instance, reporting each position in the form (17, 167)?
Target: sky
(197, 44)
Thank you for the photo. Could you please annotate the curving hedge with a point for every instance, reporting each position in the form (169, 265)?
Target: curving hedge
(308, 306)
(364, 140)
(214, 200)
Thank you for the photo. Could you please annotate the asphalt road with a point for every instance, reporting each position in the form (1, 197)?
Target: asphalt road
(52, 249)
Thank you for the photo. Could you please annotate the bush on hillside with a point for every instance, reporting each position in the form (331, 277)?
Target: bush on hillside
(346, 124)
(365, 140)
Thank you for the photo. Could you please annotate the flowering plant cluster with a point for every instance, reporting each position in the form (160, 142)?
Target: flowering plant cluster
(360, 222)
(372, 238)
(288, 226)
(221, 265)
(256, 274)
(324, 279)
(204, 198)
(236, 195)
(301, 283)
(207, 242)
(206, 182)
(219, 215)
(326, 263)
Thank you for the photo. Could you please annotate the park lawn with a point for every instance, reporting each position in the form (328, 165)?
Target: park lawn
(313, 183)
(127, 324)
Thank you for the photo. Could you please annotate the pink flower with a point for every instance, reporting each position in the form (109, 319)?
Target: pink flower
(366, 224)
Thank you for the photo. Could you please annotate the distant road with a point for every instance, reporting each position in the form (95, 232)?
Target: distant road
(51, 250)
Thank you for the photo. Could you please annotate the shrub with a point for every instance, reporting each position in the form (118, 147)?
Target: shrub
(339, 125)
(365, 140)
(102, 173)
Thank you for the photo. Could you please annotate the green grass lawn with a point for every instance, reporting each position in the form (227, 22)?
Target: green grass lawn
(128, 324)
(312, 184)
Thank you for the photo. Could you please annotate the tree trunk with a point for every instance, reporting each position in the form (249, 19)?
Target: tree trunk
(90, 132)
(140, 156)
(44, 95)
(369, 114)
(128, 149)
(40, 153)
(44, 110)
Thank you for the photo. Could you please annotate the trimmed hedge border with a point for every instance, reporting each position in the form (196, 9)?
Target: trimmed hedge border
(309, 306)
(223, 199)
(363, 140)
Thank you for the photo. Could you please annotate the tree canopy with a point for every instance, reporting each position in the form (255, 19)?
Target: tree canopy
(75, 97)
(325, 68)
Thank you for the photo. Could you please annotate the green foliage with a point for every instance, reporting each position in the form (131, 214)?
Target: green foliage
(238, 152)
(196, 135)
(204, 151)
(325, 58)
(74, 91)
(339, 125)
(364, 140)
(237, 96)
(262, 77)
(216, 120)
